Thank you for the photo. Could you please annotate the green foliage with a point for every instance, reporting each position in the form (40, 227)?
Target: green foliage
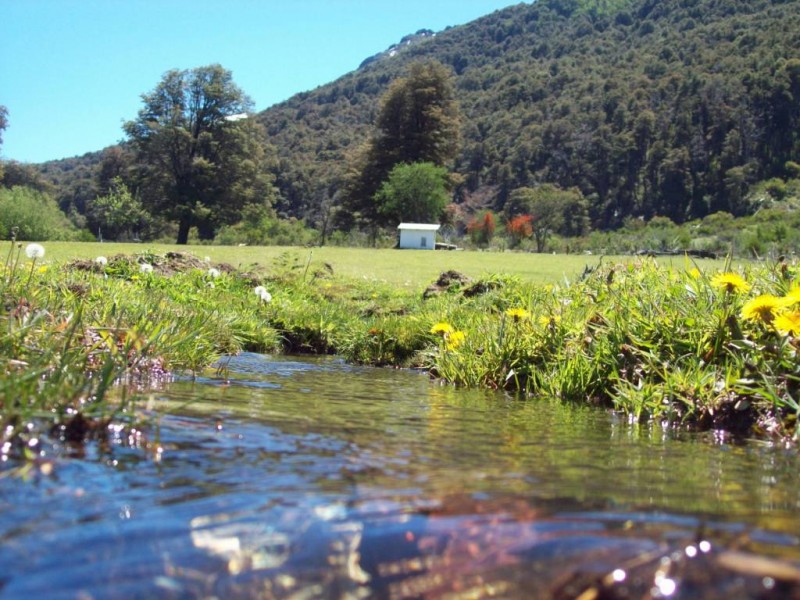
(200, 160)
(118, 215)
(415, 193)
(552, 210)
(32, 215)
(260, 227)
(715, 349)
(418, 122)
(76, 341)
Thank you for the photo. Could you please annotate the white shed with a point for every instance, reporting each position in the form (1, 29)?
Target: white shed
(419, 236)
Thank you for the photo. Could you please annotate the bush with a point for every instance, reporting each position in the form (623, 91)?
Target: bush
(34, 214)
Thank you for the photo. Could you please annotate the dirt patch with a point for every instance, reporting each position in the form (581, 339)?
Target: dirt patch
(166, 265)
(447, 282)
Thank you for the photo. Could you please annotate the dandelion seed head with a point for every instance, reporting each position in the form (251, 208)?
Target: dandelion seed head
(34, 251)
(101, 260)
(212, 272)
(146, 268)
(263, 294)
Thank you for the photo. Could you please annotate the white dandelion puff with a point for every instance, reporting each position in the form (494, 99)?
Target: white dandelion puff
(263, 294)
(101, 260)
(146, 268)
(212, 272)
(34, 251)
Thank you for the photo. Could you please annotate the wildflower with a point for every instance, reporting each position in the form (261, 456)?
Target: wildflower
(762, 308)
(263, 294)
(146, 268)
(546, 320)
(695, 273)
(101, 260)
(788, 323)
(214, 273)
(730, 282)
(34, 251)
(454, 339)
(518, 314)
(443, 328)
(207, 259)
(793, 297)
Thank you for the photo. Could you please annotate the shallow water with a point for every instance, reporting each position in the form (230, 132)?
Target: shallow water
(302, 478)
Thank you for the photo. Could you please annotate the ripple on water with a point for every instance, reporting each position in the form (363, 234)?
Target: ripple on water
(287, 477)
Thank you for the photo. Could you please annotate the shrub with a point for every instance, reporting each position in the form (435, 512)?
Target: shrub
(34, 214)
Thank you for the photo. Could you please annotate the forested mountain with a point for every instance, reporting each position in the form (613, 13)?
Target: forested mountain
(649, 107)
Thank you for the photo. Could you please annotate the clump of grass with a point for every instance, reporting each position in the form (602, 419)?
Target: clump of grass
(713, 350)
(77, 342)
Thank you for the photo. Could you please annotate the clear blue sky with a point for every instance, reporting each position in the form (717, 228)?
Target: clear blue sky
(71, 71)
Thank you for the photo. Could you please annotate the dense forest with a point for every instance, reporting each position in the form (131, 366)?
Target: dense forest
(668, 108)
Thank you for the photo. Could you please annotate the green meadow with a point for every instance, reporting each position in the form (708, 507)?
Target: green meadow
(407, 268)
(697, 344)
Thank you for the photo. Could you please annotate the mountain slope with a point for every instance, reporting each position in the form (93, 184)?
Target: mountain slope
(669, 107)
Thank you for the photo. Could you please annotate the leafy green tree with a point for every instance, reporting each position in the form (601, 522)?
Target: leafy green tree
(118, 214)
(200, 159)
(415, 193)
(418, 122)
(552, 209)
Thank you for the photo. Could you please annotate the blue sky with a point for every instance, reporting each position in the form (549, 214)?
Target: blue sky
(73, 70)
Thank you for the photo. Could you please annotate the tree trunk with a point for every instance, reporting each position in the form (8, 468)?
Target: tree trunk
(183, 230)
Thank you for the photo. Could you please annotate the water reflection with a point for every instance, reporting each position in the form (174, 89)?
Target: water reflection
(282, 477)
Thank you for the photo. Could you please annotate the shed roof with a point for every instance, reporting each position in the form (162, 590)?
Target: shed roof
(420, 226)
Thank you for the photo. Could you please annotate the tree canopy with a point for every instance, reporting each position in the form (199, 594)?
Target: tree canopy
(415, 193)
(200, 158)
(418, 122)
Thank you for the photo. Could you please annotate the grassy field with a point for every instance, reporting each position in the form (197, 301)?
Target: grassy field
(411, 268)
(675, 339)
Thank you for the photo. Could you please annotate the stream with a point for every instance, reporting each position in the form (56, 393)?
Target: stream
(289, 477)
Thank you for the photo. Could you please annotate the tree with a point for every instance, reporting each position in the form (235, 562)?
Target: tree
(418, 122)
(118, 214)
(418, 119)
(520, 228)
(552, 209)
(481, 228)
(415, 192)
(200, 159)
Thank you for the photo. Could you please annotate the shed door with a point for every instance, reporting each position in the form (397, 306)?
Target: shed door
(423, 242)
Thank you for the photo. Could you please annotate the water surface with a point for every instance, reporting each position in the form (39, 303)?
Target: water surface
(285, 477)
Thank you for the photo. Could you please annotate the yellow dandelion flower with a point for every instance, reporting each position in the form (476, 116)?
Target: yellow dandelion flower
(454, 339)
(695, 273)
(730, 282)
(547, 320)
(793, 297)
(442, 328)
(788, 323)
(518, 314)
(762, 308)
